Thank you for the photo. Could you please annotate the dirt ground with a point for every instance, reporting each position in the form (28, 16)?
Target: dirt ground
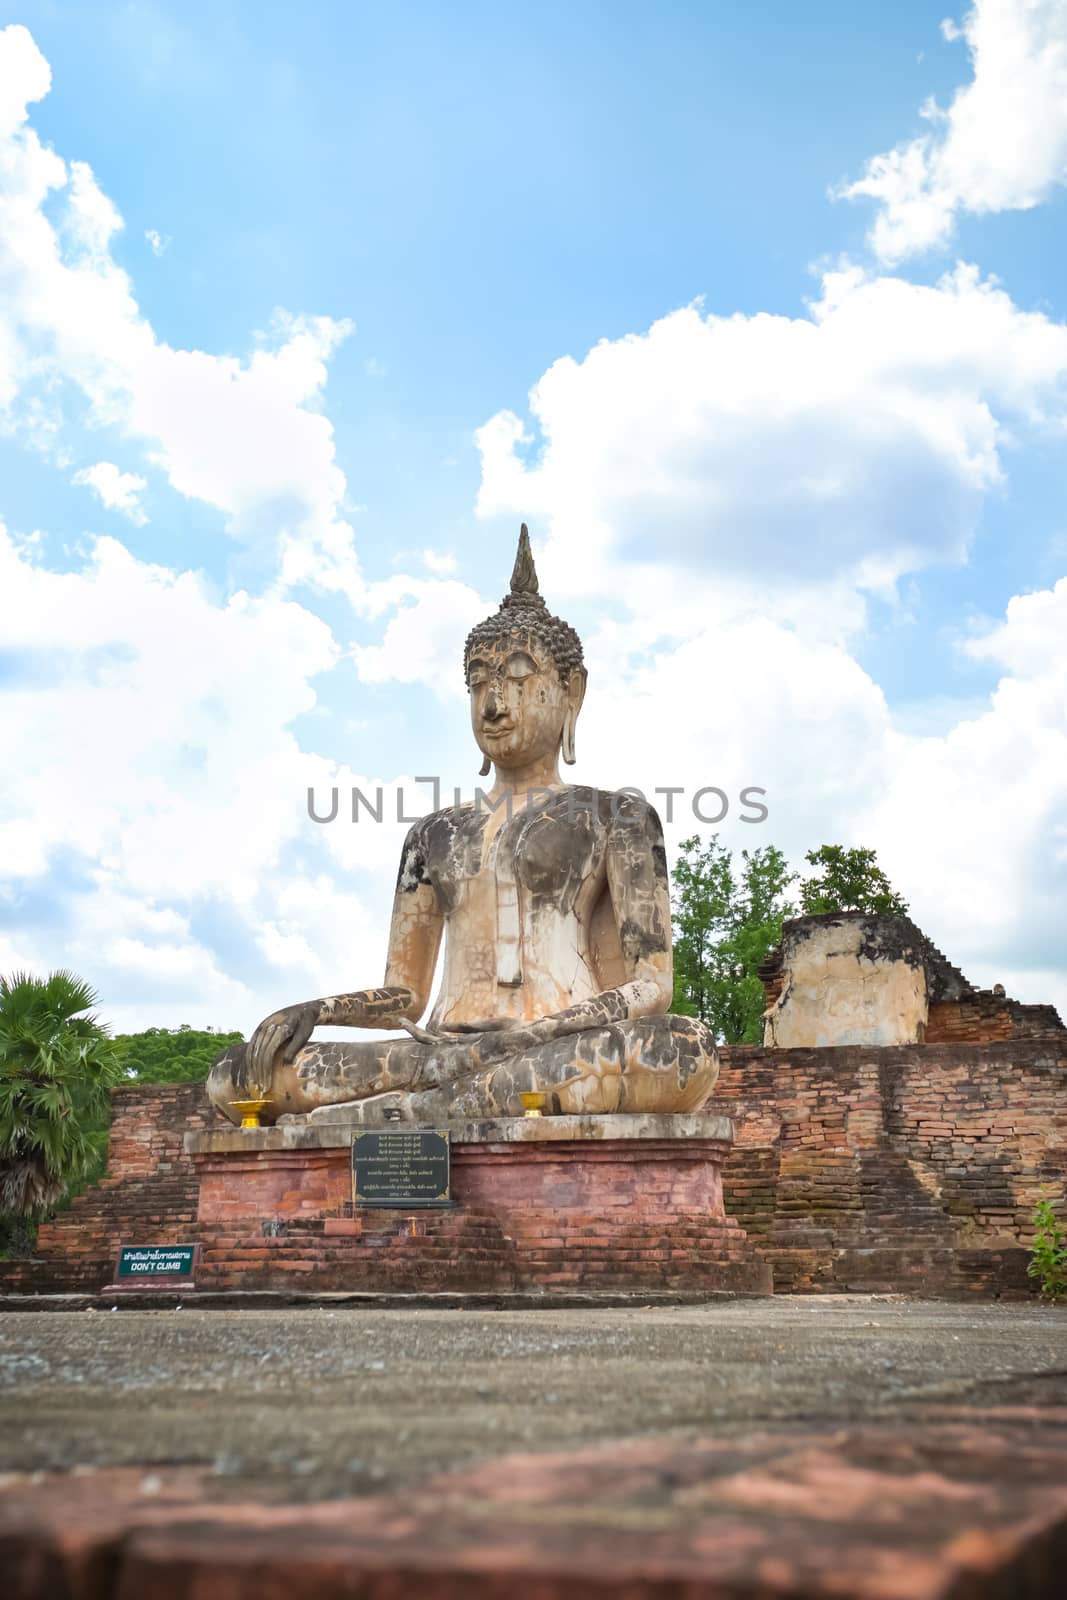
(333, 1402)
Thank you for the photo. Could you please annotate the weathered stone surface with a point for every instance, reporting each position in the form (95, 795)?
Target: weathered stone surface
(847, 979)
(851, 978)
(306, 1403)
(846, 1447)
(332, 1126)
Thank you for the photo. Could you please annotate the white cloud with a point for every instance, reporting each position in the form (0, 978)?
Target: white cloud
(151, 722)
(25, 76)
(440, 562)
(423, 640)
(850, 446)
(245, 436)
(977, 820)
(119, 491)
(157, 242)
(742, 701)
(159, 778)
(1001, 145)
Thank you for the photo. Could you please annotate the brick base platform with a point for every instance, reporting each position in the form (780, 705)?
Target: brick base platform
(589, 1202)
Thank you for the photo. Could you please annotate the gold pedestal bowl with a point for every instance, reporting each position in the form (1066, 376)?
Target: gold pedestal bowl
(250, 1111)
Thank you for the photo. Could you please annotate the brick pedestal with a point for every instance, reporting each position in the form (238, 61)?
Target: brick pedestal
(582, 1202)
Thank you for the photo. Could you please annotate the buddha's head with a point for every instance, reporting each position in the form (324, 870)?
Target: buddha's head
(525, 676)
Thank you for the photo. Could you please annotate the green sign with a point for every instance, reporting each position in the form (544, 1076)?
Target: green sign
(400, 1168)
(156, 1261)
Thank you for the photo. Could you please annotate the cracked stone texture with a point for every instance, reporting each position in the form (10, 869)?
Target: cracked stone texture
(840, 985)
(335, 1402)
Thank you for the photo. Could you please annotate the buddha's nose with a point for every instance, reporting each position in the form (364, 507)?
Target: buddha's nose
(492, 707)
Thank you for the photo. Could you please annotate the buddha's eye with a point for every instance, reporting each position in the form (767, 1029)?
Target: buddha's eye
(520, 665)
(477, 674)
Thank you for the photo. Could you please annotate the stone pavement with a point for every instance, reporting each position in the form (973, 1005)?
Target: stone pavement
(850, 1447)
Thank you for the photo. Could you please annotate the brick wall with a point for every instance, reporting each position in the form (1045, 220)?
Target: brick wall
(148, 1196)
(984, 1016)
(909, 1167)
(913, 1166)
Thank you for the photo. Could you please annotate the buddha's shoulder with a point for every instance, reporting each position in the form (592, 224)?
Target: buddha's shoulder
(607, 807)
(440, 829)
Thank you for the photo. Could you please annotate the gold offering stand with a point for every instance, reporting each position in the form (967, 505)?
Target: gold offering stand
(250, 1111)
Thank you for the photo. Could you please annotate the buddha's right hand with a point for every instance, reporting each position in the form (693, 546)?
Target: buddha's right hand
(279, 1037)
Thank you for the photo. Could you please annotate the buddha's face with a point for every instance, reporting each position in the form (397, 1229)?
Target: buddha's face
(518, 703)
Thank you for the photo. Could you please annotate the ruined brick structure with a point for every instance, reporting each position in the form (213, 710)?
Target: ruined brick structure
(908, 1167)
(858, 1163)
(149, 1195)
(913, 1167)
(850, 978)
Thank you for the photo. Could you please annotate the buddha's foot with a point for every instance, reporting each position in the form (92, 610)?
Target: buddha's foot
(656, 1064)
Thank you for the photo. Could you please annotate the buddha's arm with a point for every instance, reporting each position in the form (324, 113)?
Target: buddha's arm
(414, 939)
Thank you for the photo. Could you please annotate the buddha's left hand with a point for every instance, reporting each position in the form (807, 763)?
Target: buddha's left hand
(459, 1032)
(487, 1025)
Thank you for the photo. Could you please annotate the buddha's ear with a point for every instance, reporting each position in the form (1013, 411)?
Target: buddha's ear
(575, 694)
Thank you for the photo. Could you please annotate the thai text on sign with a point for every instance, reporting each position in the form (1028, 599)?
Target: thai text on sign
(401, 1167)
(154, 1261)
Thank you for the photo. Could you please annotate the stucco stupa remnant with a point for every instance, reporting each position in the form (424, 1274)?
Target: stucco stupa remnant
(553, 902)
(852, 978)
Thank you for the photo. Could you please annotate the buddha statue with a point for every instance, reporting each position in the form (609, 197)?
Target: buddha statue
(553, 901)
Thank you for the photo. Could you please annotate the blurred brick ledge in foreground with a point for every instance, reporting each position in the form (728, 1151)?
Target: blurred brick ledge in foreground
(958, 1504)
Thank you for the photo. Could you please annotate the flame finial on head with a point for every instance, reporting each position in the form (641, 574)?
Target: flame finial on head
(524, 574)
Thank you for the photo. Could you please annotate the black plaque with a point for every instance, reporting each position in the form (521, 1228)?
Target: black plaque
(400, 1168)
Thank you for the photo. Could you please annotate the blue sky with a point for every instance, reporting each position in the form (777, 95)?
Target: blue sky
(792, 458)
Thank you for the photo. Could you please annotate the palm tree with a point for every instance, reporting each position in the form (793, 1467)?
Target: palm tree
(57, 1064)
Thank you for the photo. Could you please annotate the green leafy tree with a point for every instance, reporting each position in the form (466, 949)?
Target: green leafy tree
(848, 880)
(727, 917)
(57, 1065)
(171, 1055)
